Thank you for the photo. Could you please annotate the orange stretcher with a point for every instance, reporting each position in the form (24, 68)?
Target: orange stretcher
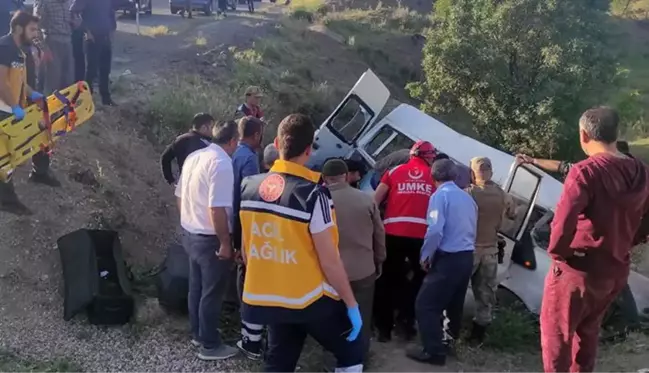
(44, 122)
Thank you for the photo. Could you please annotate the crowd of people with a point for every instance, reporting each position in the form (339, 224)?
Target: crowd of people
(317, 256)
(63, 41)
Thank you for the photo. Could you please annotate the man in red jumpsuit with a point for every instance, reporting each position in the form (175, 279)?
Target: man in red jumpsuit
(405, 189)
(598, 215)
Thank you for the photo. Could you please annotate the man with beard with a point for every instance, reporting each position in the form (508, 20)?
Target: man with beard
(356, 171)
(14, 93)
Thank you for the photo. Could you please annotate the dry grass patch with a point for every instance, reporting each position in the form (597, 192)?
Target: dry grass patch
(155, 31)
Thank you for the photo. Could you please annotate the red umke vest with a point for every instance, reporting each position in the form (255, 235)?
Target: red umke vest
(411, 186)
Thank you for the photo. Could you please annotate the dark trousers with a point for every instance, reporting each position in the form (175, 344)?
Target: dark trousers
(394, 291)
(251, 334)
(40, 166)
(79, 55)
(285, 342)
(207, 285)
(222, 5)
(574, 305)
(363, 290)
(443, 289)
(99, 54)
(58, 73)
(251, 5)
(188, 8)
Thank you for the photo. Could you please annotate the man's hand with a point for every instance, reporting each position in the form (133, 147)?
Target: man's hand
(47, 55)
(35, 96)
(225, 252)
(425, 264)
(524, 159)
(379, 271)
(238, 257)
(89, 36)
(76, 22)
(354, 315)
(18, 112)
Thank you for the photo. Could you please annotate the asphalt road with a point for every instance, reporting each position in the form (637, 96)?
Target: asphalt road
(162, 16)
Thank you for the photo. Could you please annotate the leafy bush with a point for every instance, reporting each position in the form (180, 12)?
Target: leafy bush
(308, 9)
(524, 70)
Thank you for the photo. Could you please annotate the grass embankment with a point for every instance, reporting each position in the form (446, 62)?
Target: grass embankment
(306, 63)
(10, 362)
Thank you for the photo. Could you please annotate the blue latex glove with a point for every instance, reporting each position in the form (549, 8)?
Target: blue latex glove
(354, 315)
(35, 96)
(18, 112)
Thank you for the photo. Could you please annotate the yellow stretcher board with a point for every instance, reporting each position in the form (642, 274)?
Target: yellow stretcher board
(20, 140)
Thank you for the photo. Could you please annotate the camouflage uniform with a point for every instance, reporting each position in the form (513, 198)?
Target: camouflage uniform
(492, 203)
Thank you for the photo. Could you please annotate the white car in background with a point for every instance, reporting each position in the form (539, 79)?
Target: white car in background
(352, 131)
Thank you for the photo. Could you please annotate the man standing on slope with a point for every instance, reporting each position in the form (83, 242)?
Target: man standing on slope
(204, 194)
(598, 215)
(447, 258)
(295, 278)
(405, 189)
(493, 203)
(99, 23)
(245, 162)
(199, 137)
(14, 92)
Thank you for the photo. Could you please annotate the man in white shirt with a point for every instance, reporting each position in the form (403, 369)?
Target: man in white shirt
(204, 194)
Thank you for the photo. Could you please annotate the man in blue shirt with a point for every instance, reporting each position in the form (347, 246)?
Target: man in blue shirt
(447, 257)
(245, 162)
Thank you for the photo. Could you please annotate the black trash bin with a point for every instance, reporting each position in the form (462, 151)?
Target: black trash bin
(172, 282)
(95, 277)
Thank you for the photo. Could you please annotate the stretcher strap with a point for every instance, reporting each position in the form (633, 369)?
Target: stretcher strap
(48, 126)
(68, 112)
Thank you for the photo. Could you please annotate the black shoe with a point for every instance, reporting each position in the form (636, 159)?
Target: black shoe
(45, 179)
(417, 354)
(385, 337)
(109, 101)
(15, 207)
(251, 350)
(478, 333)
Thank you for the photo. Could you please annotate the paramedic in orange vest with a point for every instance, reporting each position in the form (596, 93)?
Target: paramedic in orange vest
(405, 189)
(295, 280)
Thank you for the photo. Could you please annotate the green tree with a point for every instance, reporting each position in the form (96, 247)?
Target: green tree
(524, 70)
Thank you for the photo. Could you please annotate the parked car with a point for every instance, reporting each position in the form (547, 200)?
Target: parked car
(352, 131)
(205, 6)
(130, 6)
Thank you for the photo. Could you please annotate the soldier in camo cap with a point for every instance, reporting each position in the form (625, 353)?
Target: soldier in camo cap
(492, 203)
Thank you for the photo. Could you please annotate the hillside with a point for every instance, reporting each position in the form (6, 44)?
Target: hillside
(423, 6)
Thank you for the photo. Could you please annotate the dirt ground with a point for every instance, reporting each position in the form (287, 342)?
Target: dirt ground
(111, 179)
